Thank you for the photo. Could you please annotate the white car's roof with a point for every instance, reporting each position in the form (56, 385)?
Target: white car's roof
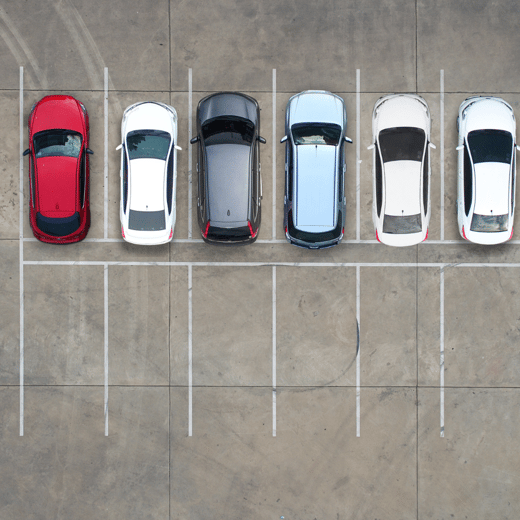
(147, 184)
(144, 116)
(403, 188)
(492, 188)
(401, 110)
(489, 113)
(316, 106)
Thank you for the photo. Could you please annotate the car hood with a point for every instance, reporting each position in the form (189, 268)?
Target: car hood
(227, 104)
(401, 111)
(315, 187)
(228, 167)
(402, 188)
(492, 188)
(57, 186)
(489, 114)
(147, 116)
(60, 112)
(147, 184)
(316, 106)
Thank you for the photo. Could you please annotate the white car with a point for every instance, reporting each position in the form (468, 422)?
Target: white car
(148, 173)
(401, 169)
(486, 170)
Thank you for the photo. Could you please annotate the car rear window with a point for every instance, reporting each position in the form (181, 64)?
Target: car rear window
(402, 225)
(58, 227)
(315, 238)
(402, 144)
(229, 234)
(146, 220)
(490, 146)
(57, 143)
(316, 133)
(228, 130)
(489, 223)
(148, 144)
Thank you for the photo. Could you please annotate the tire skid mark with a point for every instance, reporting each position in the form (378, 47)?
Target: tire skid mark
(21, 56)
(69, 16)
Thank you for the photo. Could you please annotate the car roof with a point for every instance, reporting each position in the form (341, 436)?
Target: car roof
(146, 185)
(402, 188)
(315, 187)
(228, 179)
(492, 193)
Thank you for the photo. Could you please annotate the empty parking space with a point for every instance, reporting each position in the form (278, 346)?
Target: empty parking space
(232, 326)
(316, 326)
(63, 325)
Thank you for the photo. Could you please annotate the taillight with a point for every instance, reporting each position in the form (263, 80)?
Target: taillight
(377, 236)
(205, 233)
(426, 235)
(171, 234)
(123, 231)
(511, 234)
(253, 234)
(464, 234)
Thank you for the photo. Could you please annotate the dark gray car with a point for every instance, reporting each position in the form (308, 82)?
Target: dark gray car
(228, 166)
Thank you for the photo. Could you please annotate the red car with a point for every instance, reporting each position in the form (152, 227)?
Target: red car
(59, 208)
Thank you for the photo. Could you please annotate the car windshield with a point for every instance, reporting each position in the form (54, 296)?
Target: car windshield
(489, 223)
(490, 146)
(57, 143)
(228, 130)
(403, 225)
(148, 144)
(402, 144)
(316, 133)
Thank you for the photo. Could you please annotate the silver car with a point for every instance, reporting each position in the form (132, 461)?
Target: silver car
(314, 201)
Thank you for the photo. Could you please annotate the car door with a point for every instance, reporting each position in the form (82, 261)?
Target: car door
(255, 188)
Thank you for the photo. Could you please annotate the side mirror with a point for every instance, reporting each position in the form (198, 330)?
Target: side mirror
(177, 147)
(262, 140)
(433, 146)
(26, 152)
(517, 147)
(460, 147)
(119, 147)
(194, 140)
(283, 139)
(371, 147)
(348, 140)
(89, 151)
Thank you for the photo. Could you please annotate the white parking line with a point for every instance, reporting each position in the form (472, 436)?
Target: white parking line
(190, 351)
(274, 154)
(21, 259)
(190, 152)
(268, 264)
(358, 154)
(358, 352)
(274, 351)
(105, 169)
(105, 299)
(441, 384)
(442, 154)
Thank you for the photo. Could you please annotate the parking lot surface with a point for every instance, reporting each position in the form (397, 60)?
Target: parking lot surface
(186, 381)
